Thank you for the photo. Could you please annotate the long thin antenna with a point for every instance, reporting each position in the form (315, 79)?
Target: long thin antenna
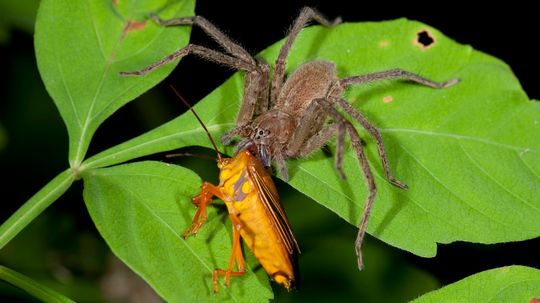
(200, 121)
(190, 155)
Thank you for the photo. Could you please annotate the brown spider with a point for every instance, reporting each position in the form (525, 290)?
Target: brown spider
(288, 118)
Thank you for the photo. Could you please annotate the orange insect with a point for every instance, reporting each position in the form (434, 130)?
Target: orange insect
(256, 213)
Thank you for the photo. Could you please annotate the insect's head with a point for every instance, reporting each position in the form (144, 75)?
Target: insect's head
(223, 162)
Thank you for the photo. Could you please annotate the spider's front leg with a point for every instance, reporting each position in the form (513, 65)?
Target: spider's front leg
(306, 15)
(237, 57)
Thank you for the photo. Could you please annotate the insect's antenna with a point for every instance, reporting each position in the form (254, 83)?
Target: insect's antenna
(200, 121)
(190, 155)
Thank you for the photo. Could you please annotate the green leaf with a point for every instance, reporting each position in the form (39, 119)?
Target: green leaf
(470, 154)
(505, 284)
(141, 210)
(39, 291)
(81, 46)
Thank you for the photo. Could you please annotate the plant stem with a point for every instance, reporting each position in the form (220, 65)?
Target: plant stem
(32, 287)
(35, 206)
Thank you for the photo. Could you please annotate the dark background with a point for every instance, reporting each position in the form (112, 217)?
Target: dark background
(62, 248)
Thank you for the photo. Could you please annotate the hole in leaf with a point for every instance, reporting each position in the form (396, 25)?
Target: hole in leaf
(424, 39)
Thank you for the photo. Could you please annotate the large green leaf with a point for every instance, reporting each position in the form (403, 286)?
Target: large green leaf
(141, 210)
(470, 154)
(81, 46)
(505, 284)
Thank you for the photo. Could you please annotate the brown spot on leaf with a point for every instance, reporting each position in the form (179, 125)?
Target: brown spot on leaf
(384, 43)
(387, 99)
(133, 26)
(534, 300)
(115, 2)
(424, 39)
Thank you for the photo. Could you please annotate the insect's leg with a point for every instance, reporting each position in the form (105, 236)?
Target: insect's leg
(306, 14)
(357, 145)
(208, 190)
(393, 74)
(236, 254)
(374, 132)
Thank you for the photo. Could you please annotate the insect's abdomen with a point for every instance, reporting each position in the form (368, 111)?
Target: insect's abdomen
(257, 230)
(261, 237)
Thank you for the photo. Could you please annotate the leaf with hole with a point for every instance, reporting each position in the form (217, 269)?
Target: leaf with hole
(470, 154)
(81, 46)
(142, 209)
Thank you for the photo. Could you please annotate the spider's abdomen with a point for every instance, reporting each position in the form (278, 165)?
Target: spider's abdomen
(310, 81)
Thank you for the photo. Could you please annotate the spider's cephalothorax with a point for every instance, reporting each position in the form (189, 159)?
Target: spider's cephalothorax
(288, 118)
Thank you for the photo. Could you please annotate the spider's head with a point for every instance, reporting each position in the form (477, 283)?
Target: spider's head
(258, 150)
(273, 128)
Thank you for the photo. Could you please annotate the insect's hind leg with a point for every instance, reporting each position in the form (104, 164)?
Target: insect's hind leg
(236, 255)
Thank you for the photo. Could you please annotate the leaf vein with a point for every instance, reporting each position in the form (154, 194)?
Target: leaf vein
(455, 137)
(475, 163)
(452, 192)
(527, 165)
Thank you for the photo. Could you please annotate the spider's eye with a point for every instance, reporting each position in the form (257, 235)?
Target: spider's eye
(260, 132)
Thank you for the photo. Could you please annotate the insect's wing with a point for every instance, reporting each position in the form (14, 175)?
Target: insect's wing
(268, 195)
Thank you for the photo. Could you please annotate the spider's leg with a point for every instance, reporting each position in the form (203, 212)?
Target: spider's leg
(198, 50)
(374, 132)
(306, 14)
(394, 74)
(357, 145)
(227, 43)
(311, 134)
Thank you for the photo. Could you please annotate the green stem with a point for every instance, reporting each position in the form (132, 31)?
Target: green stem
(32, 287)
(35, 206)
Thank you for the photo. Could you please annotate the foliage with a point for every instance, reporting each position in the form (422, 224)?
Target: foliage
(469, 153)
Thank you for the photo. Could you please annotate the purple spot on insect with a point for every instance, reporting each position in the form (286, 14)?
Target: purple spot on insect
(239, 195)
